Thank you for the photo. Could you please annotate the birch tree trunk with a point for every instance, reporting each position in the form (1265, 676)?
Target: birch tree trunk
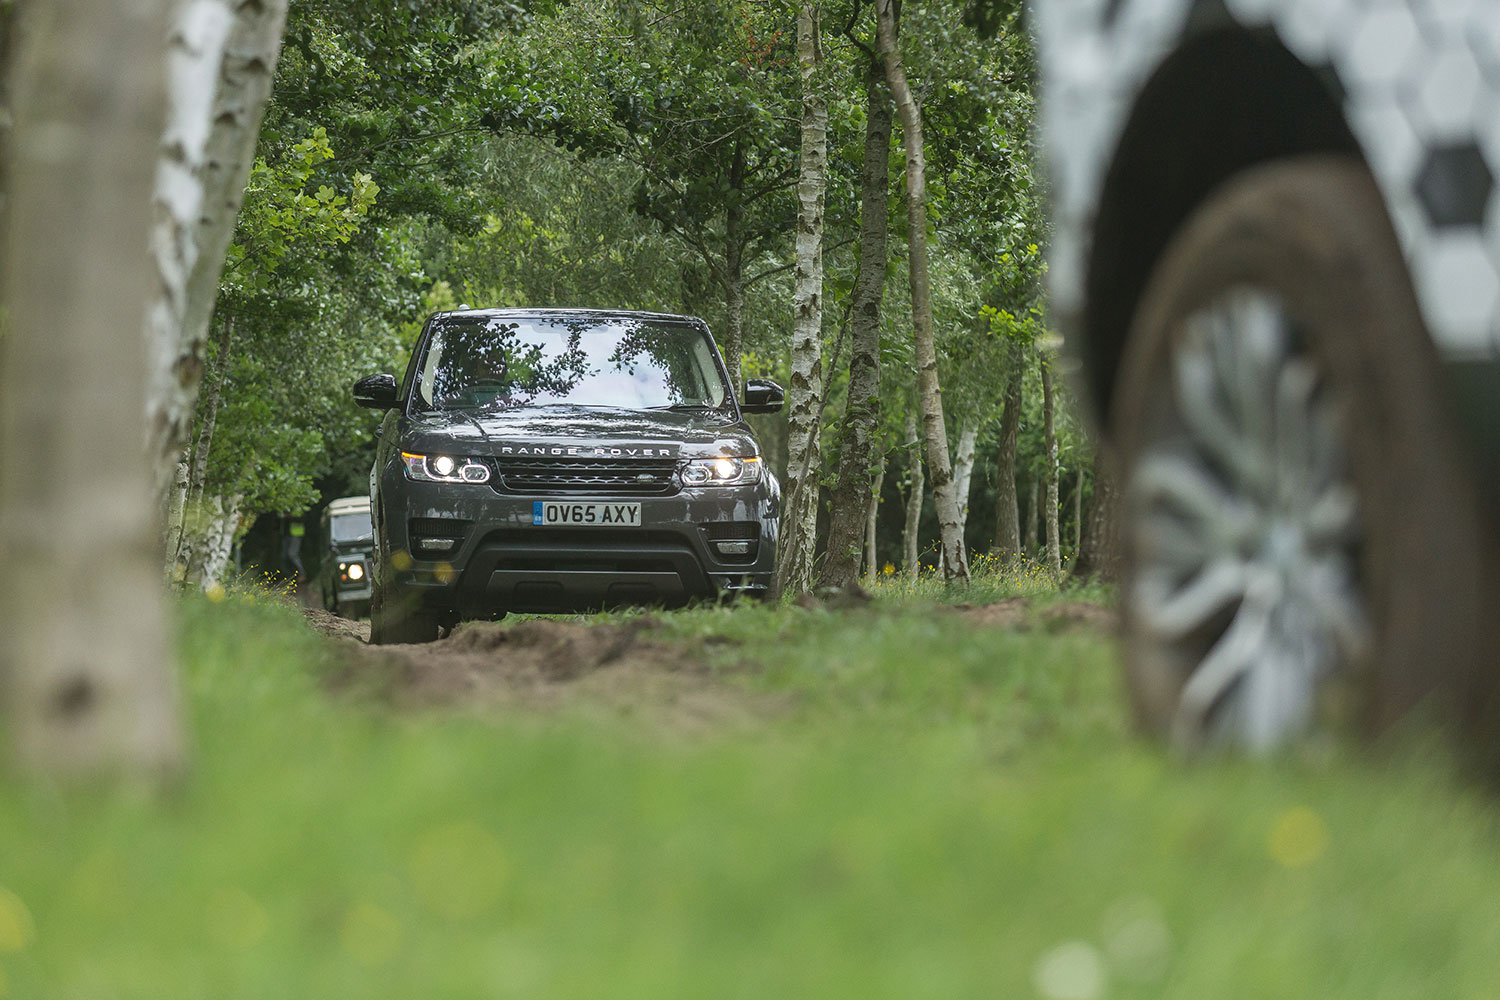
(954, 562)
(852, 494)
(916, 483)
(197, 519)
(963, 469)
(794, 561)
(221, 60)
(86, 679)
(872, 561)
(176, 515)
(1007, 515)
(223, 522)
(1049, 441)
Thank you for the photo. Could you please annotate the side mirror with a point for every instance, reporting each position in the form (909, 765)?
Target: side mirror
(377, 392)
(762, 396)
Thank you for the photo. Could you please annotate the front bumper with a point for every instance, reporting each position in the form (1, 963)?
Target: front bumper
(501, 561)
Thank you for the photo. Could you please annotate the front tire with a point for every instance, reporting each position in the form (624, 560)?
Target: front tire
(395, 618)
(1299, 516)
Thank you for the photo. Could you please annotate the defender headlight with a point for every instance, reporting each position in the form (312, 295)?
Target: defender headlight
(444, 469)
(725, 471)
(356, 571)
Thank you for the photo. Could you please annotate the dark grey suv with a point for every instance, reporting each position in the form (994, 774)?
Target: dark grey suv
(559, 460)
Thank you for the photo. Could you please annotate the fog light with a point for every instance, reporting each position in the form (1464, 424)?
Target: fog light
(733, 548)
(437, 544)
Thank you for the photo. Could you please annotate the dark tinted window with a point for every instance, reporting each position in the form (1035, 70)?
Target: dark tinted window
(588, 361)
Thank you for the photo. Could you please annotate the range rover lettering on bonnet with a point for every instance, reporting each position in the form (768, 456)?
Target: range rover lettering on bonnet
(568, 451)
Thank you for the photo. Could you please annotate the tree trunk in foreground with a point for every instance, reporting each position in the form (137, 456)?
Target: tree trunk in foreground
(963, 469)
(916, 482)
(852, 494)
(1098, 556)
(1049, 438)
(799, 524)
(85, 675)
(221, 59)
(1007, 514)
(872, 561)
(953, 562)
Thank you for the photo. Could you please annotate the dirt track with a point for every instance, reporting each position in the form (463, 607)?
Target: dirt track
(541, 664)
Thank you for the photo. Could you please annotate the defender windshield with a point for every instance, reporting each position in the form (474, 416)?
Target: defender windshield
(350, 528)
(583, 361)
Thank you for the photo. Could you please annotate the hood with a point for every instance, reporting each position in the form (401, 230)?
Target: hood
(580, 431)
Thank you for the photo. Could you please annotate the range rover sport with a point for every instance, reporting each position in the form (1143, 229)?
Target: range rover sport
(549, 460)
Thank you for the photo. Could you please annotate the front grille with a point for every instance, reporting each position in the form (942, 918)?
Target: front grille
(586, 477)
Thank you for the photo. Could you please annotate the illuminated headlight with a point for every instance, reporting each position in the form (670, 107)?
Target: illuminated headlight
(356, 571)
(444, 469)
(721, 471)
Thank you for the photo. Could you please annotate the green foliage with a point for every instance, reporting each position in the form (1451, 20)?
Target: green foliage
(285, 209)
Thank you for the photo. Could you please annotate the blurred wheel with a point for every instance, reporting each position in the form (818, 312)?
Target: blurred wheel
(1297, 510)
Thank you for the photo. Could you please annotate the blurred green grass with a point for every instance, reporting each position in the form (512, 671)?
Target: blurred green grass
(941, 811)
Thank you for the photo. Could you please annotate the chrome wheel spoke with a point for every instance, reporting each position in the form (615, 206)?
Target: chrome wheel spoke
(1175, 612)
(1245, 527)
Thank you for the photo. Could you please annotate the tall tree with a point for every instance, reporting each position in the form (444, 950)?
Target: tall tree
(1007, 507)
(1050, 472)
(872, 562)
(221, 61)
(953, 561)
(85, 673)
(916, 483)
(1098, 554)
(963, 466)
(799, 519)
(852, 491)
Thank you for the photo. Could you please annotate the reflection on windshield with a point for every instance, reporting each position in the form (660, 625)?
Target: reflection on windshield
(350, 528)
(585, 361)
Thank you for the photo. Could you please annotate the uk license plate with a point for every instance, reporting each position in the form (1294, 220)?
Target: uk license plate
(568, 512)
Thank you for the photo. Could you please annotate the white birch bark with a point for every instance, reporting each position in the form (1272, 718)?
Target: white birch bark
(86, 680)
(1049, 438)
(218, 543)
(794, 561)
(954, 561)
(221, 61)
(963, 468)
(917, 482)
(176, 512)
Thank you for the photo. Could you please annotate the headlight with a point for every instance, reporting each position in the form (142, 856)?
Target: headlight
(356, 571)
(444, 469)
(721, 471)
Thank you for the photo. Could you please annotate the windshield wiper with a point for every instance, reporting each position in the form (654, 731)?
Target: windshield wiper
(462, 412)
(688, 407)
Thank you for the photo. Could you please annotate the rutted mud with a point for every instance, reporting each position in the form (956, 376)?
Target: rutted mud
(547, 665)
(620, 669)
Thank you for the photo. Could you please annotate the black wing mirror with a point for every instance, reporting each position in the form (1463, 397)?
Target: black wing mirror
(377, 392)
(762, 396)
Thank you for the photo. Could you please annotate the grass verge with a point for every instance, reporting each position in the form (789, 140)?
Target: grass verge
(942, 811)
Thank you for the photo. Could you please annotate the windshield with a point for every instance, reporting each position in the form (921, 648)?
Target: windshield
(350, 528)
(583, 361)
